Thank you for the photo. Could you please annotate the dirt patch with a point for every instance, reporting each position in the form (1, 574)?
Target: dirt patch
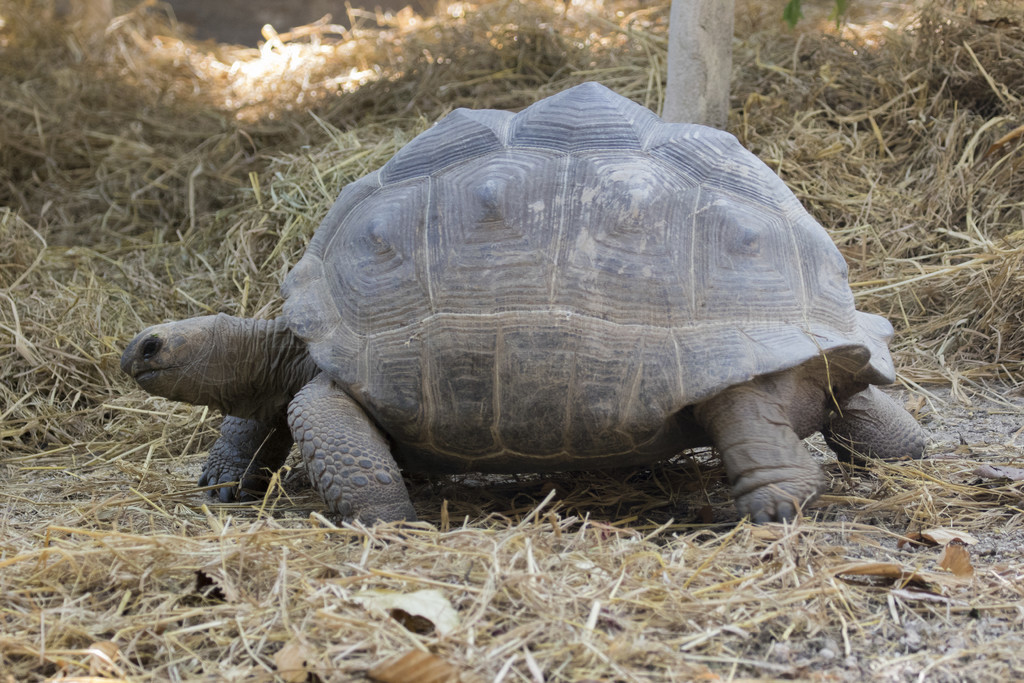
(241, 21)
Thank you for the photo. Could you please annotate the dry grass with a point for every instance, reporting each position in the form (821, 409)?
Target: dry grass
(144, 177)
(896, 148)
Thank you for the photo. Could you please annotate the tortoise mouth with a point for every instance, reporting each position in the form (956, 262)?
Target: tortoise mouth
(148, 376)
(144, 376)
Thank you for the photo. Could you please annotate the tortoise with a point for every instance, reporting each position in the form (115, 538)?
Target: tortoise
(578, 285)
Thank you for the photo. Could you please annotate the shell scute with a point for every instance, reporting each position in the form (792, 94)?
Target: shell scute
(492, 239)
(464, 134)
(582, 118)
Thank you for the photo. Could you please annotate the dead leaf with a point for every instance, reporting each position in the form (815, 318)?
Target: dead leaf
(766, 533)
(417, 611)
(914, 405)
(292, 662)
(913, 537)
(415, 666)
(923, 596)
(957, 559)
(103, 656)
(1001, 142)
(888, 571)
(705, 514)
(885, 570)
(999, 472)
(942, 536)
(936, 537)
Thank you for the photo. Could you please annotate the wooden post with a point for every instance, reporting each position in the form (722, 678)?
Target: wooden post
(699, 62)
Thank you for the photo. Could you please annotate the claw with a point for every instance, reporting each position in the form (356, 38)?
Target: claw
(762, 516)
(226, 494)
(242, 460)
(247, 495)
(785, 511)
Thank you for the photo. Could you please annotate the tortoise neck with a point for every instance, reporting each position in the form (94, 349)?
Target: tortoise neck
(276, 365)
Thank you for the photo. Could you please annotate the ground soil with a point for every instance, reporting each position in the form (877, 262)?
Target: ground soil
(242, 21)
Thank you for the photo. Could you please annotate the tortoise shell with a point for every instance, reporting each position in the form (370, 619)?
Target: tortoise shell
(551, 289)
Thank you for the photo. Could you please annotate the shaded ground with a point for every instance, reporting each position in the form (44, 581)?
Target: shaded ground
(241, 21)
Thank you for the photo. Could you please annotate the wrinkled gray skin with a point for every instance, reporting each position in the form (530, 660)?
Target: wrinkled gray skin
(257, 372)
(260, 376)
(576, 286)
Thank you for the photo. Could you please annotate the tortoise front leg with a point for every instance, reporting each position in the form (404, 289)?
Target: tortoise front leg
(751, 425)
(347, 457)
(246, 454)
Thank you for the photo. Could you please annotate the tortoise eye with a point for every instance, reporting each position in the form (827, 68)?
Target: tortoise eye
(151, 347)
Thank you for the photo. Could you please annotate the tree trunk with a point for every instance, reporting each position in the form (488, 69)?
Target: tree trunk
(699, 62)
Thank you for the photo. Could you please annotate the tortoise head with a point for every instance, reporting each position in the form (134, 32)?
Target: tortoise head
(239, 366)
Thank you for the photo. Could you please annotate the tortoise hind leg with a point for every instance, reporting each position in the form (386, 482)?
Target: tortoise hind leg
(347, 457)
(246, 454)
(752, 427)
(872, 424)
